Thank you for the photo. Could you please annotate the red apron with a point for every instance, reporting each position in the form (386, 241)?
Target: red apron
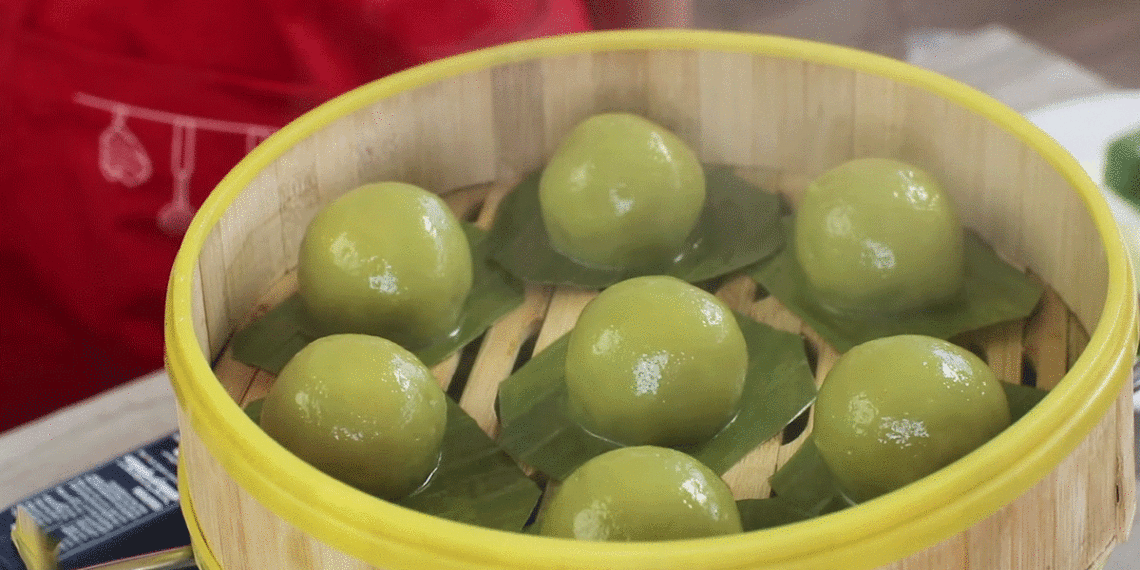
(118, 117)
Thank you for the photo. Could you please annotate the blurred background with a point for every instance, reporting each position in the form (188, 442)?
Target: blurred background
(1103, 36)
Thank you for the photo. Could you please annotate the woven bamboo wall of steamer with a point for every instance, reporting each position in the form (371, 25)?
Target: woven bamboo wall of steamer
(782, 122)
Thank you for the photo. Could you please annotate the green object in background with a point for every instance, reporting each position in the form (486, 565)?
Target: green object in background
(1122, 167)
(1122, 176)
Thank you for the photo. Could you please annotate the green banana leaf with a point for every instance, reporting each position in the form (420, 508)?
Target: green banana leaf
(269, 342)
(538, 431)
(476, 482)
(737, 228)
(994, 292)
(804, 488)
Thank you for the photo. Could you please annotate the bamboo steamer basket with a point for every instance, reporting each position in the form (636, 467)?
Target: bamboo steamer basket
(1055, 490)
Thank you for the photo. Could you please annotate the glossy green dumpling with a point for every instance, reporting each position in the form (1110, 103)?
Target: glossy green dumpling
(655, 361)
(879, 235)
(621, 192)
(387, 259)
(896, 409)
(363, 410)
(641, 494)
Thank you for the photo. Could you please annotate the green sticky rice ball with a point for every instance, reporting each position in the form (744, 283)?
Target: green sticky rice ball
(877, 235)
(621, 192)
(896, 409)
(655, 361)
(363, 410)
(641, 494)
(387, 259)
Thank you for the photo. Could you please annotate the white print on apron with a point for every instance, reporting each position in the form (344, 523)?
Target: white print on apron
(123, 159)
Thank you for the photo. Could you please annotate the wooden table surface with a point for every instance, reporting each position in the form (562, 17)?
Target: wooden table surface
(50, 450)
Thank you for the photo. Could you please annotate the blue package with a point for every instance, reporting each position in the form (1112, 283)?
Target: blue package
(125, 507)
